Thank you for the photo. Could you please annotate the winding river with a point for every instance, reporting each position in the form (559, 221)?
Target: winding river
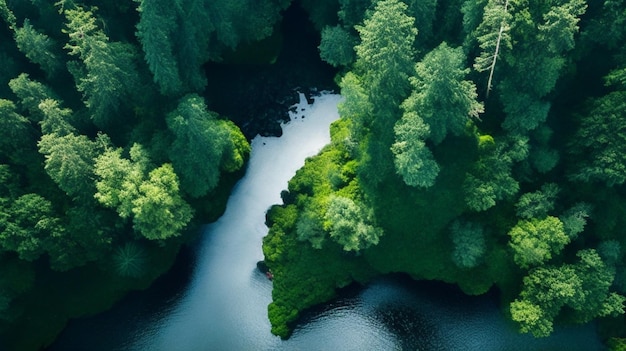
(223, 303)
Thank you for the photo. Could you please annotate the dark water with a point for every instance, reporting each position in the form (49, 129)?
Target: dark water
(216, 299)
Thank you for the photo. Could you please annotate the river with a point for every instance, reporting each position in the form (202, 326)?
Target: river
(220, 302)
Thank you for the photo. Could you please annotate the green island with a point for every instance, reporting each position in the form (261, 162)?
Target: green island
(481, 143)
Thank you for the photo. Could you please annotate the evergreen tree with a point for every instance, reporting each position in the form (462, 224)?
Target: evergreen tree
(441, 95)
(199, 145)
(38, 48)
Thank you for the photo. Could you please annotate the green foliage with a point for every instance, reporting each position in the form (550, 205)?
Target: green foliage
(385, 54)
(55, 119)
(178, 38)
(38, 48)
(583, 287)
(575, 219)
(535, 241)
(492, 33)
(31, 93)
(537, 204)
(617, 344)
(599, 143)
(117, 181)
(15, 132)
(153, 201)
(413, 159)
(310, 227)
(155, 30)
(69, 162)
(107, 74)
(203, 146)
(337, 46)
(441, 95)
(542, 33)
(490, 179)
(469, 244)
(160, 212)
(351, 224)
(236, 150)
(7, 15)
(30, 226)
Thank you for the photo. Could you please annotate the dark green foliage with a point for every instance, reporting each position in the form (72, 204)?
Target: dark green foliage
(469, 243)
(575, 219)
(30, 226)
(537, 204)
(337, 46)
(31, 93)
(130, 260)
(16, 134)
(599, 142)
(178, 38)
(203, 146)
(106, 74)
(38, 48)
(491, 179)
(440, 95)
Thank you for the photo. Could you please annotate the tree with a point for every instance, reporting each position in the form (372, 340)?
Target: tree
(575, 219)
(310, 227)
(7, 15)
(534, 241)
(583, 287)
(537, 204)
(469, 243)
(31, 93)
(16, 134)
(38, 48)
(70, 163)
(199, 145)
(440, 94)
(178, 38)
(385, 54)
(107, 74)
(117, 181)
(30, 227)
(490, 179)
(492, 35)
(413, 159)
(542, 33)
(350, 224)
(156, 32)
(384, 64)
(152, 200)
(55, 119)
(337, 46)
(599, 144)
(160, 212)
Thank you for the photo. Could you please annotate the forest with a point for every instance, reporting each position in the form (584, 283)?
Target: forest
(481, 143)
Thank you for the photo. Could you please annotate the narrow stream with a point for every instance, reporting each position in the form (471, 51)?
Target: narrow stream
(224, 304)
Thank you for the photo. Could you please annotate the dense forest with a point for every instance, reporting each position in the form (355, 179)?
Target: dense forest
(481, 143)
